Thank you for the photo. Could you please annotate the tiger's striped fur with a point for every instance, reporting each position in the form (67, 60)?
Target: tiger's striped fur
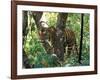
(60, 40)
(70, 41)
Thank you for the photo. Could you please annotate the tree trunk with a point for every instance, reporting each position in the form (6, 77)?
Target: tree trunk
(61, 20)
(59, 35)
(37, 16)
(25, 32)
(25, 23)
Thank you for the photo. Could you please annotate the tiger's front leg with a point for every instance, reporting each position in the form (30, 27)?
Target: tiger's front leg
(69, 50)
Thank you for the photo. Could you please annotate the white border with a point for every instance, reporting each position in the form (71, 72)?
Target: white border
(21, 71)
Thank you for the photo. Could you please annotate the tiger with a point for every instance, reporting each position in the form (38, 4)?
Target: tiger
(44, 35)
(59, 42)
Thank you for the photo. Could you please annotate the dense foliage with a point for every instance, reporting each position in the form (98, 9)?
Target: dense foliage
(36, 54)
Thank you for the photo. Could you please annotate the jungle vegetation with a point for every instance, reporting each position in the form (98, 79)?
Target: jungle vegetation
(34, 53)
